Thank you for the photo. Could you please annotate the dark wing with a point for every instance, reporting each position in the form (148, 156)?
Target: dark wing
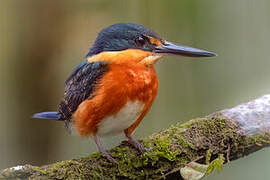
(80, 86)
(75, 70)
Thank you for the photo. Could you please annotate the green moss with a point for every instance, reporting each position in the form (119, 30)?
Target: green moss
(208, 156)
(163, 145)
(216, 164)
(40, 170)
(161, 150)
(96, 176)
(184, 143)
(212, 133)
(62, 170)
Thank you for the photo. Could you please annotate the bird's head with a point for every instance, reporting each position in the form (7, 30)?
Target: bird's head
(127, 42)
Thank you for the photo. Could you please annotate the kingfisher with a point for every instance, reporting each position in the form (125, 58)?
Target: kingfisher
(112, 90)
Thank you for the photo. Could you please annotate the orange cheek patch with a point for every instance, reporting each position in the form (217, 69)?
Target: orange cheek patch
(155, 41)
(129, 55)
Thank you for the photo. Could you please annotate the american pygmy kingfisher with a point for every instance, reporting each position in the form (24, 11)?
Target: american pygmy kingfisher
(113, 89)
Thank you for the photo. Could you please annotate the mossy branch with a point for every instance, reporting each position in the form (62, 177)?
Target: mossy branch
(230, 133)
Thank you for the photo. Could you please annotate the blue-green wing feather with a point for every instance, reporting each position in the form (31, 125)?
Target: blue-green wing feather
(80, 85)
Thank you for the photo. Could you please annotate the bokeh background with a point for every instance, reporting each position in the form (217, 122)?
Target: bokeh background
(42, 41)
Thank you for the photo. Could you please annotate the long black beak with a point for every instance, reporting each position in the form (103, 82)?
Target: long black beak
(170, 48)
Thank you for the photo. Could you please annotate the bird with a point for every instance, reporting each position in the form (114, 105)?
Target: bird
(114, 87)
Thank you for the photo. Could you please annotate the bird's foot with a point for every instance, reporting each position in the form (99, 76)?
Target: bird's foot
(135, 143)
(102, 150)
(108, 156)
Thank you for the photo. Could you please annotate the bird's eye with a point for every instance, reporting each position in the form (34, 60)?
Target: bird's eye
(140, 41)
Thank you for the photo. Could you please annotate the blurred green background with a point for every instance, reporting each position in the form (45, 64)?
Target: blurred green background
(42, 41)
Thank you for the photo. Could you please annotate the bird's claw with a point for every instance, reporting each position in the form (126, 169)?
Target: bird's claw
(135, 143)
(109, 157)
(138, 146)
(102, 150)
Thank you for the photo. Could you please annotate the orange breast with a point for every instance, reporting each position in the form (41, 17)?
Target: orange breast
(121, 84)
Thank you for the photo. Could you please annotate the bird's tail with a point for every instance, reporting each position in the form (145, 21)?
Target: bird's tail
(48, 115)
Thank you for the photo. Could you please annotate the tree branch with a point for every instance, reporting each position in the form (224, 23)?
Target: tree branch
(230, 133)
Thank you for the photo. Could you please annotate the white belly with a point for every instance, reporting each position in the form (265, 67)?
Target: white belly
(116, 124)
